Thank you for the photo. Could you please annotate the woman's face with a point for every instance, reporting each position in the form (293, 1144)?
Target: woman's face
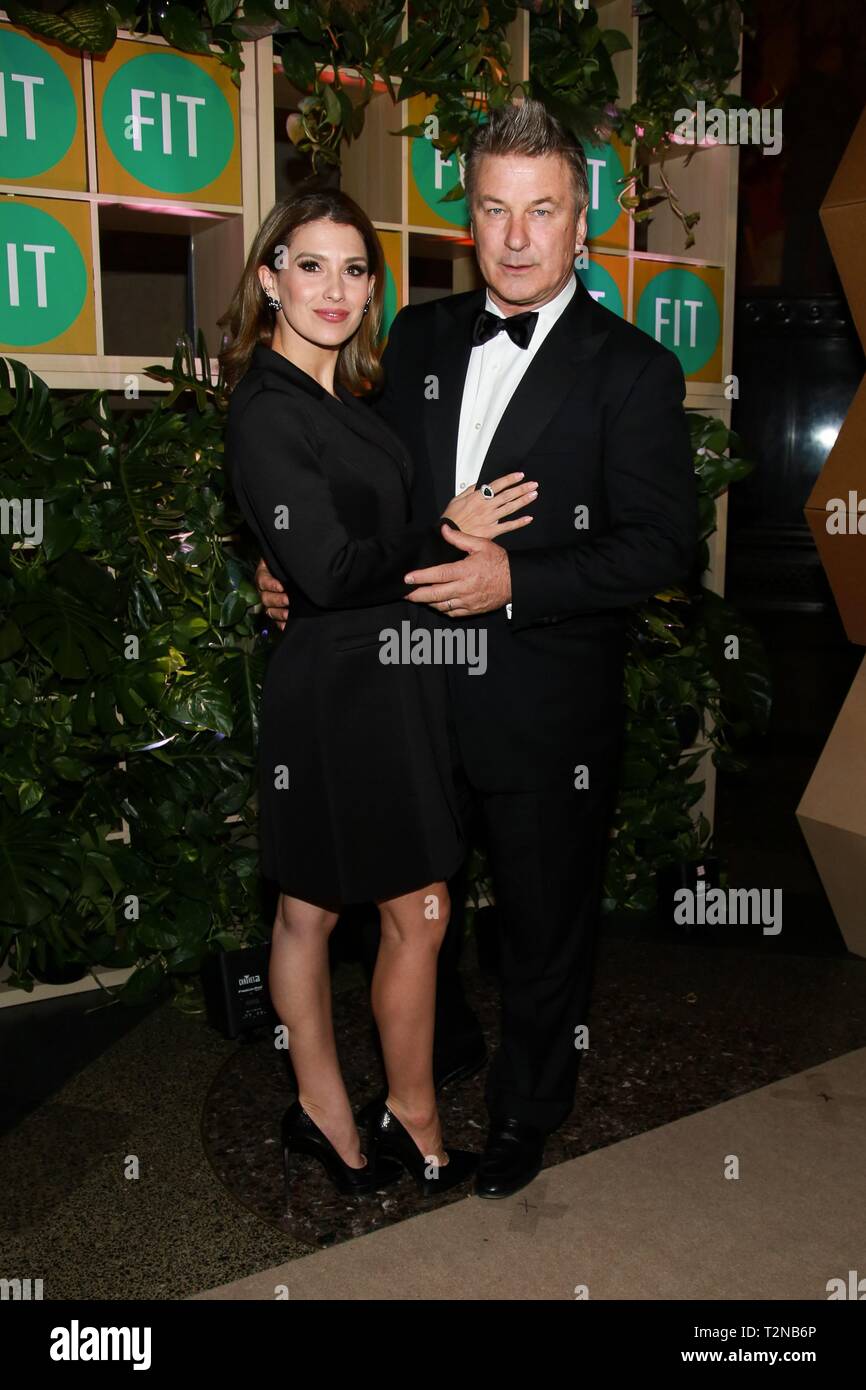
(322, 281)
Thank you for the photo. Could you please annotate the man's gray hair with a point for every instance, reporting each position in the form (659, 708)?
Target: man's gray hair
(526, 127)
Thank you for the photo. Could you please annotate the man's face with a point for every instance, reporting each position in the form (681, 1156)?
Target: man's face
(526, 227)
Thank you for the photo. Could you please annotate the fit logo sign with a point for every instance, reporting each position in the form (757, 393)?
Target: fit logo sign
(392, 248)
(167, 126)
(45, 291)
(682, 309)
(40, 113)
(606, 279)
(606, 222)
(433, 174)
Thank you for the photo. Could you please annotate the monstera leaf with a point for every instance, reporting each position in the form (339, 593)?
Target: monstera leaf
(38, 867)
(75, 641)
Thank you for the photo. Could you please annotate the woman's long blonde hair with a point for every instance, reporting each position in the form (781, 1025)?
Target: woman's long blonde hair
(249, 318)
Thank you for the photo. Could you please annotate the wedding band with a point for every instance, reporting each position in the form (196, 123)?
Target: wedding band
(487, 491)
(450, 603)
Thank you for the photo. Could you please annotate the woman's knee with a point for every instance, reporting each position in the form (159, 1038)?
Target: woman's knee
(424, 920)
(300, 919)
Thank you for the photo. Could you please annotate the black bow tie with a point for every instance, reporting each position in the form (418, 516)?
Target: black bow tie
(519, 327)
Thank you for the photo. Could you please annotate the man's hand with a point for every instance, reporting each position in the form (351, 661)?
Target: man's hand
(275, 600)
(478, 584)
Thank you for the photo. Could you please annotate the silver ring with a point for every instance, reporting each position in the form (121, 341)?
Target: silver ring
(487, 491)
(450, 603)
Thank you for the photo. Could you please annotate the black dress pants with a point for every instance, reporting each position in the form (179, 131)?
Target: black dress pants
(546, 855)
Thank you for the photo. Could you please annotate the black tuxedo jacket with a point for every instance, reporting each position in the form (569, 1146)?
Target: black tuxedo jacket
(598, 420)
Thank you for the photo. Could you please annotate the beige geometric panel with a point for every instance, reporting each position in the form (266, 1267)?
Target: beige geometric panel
(843, 547)
(832, 816)
(843, 214)
(843, 476)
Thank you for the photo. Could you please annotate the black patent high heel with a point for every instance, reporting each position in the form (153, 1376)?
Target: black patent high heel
(301, 1135)
(389, 1139)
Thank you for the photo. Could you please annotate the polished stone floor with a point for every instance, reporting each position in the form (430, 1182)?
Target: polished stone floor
(675, 1028)
(141, 1156)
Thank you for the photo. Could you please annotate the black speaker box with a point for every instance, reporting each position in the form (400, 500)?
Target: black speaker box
(236, 990)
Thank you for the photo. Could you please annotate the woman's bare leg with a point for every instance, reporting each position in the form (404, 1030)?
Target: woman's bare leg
(403, 996)
(300, 985)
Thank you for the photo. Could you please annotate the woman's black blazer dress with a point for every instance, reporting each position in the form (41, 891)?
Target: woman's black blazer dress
(356, 793)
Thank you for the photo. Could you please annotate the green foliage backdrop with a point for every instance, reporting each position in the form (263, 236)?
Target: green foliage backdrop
(130, 671)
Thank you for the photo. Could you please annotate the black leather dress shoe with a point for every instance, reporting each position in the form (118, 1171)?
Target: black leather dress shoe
(512, 1158)
(457, 1064)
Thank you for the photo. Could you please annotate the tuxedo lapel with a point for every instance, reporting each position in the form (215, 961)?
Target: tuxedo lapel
(449, 360)
(575, 337)
(552, 374)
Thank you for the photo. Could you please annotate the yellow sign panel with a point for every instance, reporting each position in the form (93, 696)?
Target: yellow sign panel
(606, 279)
(167, 125)
(392, 247)
(432, 175)
(46, 279)
(41, 113)
(682, 306)
(606, 164)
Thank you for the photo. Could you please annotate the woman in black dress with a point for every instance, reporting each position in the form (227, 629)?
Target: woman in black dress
(356, 798)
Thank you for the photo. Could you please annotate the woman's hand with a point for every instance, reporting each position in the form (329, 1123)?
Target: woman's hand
(274, 598)
(482, 516)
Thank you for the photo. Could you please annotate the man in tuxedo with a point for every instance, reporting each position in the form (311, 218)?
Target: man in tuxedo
(533, 374)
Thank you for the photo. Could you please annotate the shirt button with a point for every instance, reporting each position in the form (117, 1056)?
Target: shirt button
(461, 487)
(478, 424)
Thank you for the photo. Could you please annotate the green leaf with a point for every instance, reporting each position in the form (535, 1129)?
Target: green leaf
(200, 704)
(299, 64)
(219, 10)
(11, 640)
(145, 985)
(60, 532)
(71, 769)
(309, 23)
(180, 26)
(332, 105)
(37, 868)
(89, 27)
(615, 41)
(76, 641)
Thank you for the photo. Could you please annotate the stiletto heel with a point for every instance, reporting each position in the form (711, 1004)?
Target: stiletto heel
(389, 1139)
(301, 1135)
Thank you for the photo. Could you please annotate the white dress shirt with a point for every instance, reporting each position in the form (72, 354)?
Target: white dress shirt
(495, 370)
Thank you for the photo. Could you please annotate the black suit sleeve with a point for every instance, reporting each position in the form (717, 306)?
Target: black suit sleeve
(285, 496)
(387, 401)
(653, 509)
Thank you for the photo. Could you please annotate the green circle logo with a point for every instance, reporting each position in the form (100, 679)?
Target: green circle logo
(435, 175)
(44, 279)
(167, 123)
(679, 310)
(37, 108)
(389, 306)
(604, 170)
(602, 287)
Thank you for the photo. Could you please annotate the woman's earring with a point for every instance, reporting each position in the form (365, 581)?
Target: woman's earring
(367, 305)
(272, 302)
